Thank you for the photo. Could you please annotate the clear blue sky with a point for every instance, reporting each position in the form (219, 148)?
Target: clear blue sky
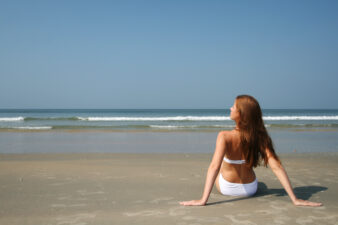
(168, 54)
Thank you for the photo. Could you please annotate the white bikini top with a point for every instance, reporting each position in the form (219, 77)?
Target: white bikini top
(233, 161)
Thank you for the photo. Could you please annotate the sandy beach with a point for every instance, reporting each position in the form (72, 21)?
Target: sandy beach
(111, 111)
(112, 188)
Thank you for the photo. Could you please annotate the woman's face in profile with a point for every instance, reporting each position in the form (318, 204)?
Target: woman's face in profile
(234, 114)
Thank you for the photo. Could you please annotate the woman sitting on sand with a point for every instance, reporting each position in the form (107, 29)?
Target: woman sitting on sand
(239, 151)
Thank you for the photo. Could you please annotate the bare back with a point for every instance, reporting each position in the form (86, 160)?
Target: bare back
(235, 173)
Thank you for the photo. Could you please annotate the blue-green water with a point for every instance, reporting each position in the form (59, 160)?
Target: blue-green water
(157, 119)
(291, 130)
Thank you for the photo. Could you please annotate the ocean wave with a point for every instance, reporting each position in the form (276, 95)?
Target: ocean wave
(163, 127)
(159, 118)
(191, 127)
(329, 125)
(300, 118)
(11, 119)
(33, 128)
(173, 118)
(203, 118)
(51, 118)
(166, 127)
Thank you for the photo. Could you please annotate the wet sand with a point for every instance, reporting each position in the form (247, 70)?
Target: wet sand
(112, 188)
(285, 141)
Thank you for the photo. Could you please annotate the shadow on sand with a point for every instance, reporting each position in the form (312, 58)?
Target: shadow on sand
(301, 192)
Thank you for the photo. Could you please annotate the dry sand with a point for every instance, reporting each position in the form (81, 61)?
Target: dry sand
(80, 189)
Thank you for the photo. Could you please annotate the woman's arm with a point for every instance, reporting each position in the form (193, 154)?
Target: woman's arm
(212, 171)
(280, 173)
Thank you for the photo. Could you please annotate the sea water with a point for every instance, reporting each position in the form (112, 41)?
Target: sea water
(157, 130)
(158, 119)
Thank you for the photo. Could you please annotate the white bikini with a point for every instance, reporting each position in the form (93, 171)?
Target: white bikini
(236, 189)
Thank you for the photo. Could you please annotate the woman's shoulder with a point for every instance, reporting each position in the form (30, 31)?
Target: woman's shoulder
(228, 135)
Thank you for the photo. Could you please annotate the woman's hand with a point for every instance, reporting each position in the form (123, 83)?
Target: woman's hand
(193, 203)
(300, 202)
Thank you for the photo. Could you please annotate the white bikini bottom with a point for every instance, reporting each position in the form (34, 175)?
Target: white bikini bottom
(236, 189)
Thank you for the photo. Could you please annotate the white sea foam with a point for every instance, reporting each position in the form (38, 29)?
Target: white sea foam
(33, 128)
(166, 127)
(300, 117)
(173, 118)
(192, 126)
(204, 118)
(11, 119)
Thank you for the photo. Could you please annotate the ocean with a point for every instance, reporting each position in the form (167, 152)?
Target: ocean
(158, 119)
(156, 130)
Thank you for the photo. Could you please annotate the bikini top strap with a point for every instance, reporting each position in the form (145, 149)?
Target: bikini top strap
(233, 161)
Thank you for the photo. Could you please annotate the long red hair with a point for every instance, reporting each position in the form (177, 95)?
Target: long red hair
(253, 134)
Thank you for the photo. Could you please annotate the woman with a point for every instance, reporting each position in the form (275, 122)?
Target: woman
(239, 151)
